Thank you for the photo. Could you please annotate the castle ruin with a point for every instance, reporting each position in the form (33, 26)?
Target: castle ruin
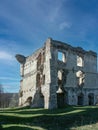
(58, 74)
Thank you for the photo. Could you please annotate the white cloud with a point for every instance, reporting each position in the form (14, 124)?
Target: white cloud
(6, 56)
(54, 14)
(10, 88)
(55, 11)
(9, 78)
(64, 25)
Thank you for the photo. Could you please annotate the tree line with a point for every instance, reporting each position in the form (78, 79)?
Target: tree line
(8, 99)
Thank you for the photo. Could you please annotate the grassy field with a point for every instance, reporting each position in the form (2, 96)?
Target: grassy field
(68, 118)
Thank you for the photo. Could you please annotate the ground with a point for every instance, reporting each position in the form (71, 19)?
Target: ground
(68, 118)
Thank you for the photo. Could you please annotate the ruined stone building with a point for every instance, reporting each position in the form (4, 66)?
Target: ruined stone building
(58, 74)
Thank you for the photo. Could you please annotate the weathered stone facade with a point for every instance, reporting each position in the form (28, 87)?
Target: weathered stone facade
(58, 74)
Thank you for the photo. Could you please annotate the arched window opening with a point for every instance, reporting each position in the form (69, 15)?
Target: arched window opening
(60, 78)
(29, 100)
(81, 77)
(91, 99)
(80, 99)
(80, 61)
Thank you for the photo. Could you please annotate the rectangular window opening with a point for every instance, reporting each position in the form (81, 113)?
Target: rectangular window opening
(61, 56)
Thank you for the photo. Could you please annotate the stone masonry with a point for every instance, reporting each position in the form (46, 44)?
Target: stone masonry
(58, 74)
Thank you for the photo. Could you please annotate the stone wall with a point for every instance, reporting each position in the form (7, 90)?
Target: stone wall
(58, 74)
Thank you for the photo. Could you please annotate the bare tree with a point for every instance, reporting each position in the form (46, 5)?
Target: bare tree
(14, 100)
(1, 95)
(7, 99)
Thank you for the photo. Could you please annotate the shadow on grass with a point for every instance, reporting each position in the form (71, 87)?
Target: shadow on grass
(38, 111)
(0, 127)
(56, 119)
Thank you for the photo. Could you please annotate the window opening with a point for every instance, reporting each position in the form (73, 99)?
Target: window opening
(81, 77)
(91, 99)
(80, 99)
(39, 61)
(61, 56)
(29, 100)
(43, 79)
(38, 80)
(80, 61)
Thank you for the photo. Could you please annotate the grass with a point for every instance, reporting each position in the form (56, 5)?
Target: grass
(68, 118)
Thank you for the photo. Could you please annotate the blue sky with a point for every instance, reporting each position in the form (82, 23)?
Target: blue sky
(26, 24)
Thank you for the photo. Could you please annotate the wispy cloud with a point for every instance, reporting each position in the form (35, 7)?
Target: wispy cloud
(55, 11)
(24, 25)
(9, 78)
(6, 56)
(64, 25)
(10, 88)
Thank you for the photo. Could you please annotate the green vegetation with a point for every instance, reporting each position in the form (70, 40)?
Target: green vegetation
(68, 118)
